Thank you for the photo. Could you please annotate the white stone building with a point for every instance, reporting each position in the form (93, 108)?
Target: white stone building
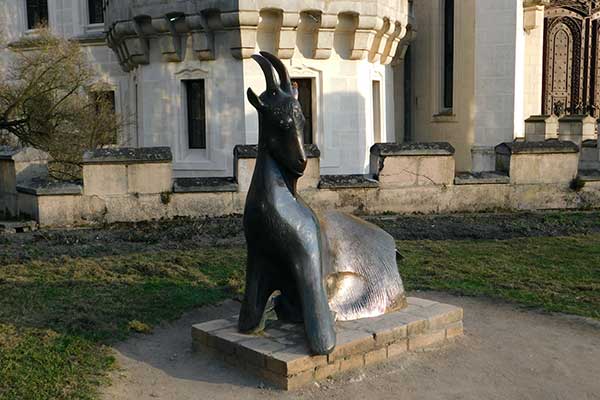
(468, 72)
(478, 69)
(181, 69)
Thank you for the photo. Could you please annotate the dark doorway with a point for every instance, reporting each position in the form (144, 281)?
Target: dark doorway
(37, 13)
(196, 113)
(305, 97)
(96, 11)
(571, 83)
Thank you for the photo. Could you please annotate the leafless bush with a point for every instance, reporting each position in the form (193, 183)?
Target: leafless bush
(47, 101)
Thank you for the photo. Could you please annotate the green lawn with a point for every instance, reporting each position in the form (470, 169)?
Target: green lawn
(57, 315)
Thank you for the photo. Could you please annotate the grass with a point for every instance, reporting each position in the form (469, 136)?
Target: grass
(558, 274)
(57, 315)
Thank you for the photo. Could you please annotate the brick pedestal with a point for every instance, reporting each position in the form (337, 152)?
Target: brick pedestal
(280, 354)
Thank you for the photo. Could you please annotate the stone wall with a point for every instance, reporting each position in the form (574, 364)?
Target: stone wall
(16, 167)
(136, 185)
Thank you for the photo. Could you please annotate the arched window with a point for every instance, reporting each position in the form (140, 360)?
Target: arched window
(37, 13)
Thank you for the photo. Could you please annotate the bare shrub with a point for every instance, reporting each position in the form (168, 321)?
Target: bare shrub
(47, 101)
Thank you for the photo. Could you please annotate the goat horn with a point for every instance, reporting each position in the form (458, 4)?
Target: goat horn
(284, 76)
(267, 68)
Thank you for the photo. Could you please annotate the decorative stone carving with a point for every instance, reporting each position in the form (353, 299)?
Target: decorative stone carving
(373, 30)
(244, 44)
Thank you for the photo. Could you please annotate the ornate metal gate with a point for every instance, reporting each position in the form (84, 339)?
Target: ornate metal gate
(572, 57)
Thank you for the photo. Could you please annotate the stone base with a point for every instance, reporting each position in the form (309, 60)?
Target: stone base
(280, 355)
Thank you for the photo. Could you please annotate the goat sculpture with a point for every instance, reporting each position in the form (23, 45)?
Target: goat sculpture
(326, 267)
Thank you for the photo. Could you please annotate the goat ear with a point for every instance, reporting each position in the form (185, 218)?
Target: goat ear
(254, 100)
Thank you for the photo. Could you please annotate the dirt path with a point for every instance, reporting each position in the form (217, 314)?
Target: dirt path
(507, 353)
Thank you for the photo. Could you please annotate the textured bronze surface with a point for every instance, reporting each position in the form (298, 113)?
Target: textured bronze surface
(322, 267)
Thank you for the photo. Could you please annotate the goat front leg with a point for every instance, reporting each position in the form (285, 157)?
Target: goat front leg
(318, 319)
(258, 290)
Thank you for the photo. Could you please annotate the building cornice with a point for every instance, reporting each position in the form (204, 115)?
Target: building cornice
(373, 29)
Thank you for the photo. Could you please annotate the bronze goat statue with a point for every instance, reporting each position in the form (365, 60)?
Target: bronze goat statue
(326, 267)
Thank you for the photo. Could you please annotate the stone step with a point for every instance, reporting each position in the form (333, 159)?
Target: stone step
(280, 354)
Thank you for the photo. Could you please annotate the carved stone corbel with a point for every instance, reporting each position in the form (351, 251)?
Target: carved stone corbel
(533, 15)
(325, 35)
(393, 40)
(287, 35)
(380, 41)
(364, 37)
(243, 42)
(172, 42)
(203, 38)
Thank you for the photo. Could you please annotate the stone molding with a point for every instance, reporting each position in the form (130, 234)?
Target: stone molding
(335, 182)
(546, 147)
(204, 185)
(251, 151)
(128, 155)
(412, 149)
(51, 188)
(375, 29)
(577, 118)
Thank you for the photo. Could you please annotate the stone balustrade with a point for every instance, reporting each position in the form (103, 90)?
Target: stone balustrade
(577, 128)
(541, 127)
(122, 171)
(137, 184)
(412, 164)
(367, 29)
(18, 166)
(245, 161)
(549, 162)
